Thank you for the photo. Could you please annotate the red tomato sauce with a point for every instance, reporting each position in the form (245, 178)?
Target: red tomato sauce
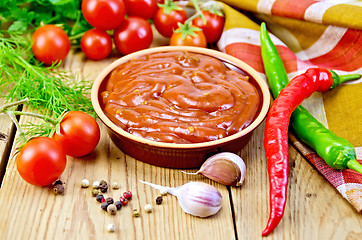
(179, 97)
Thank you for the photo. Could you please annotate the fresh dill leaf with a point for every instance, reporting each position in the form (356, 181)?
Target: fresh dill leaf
(35, 130)
(50, 90)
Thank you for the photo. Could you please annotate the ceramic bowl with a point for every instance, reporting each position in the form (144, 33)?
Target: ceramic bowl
(174, 155)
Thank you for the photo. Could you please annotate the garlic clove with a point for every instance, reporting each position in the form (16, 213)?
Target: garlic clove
(195, 198)
(199, 199)
(226, 168)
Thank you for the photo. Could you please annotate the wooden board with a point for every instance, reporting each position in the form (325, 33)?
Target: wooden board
(315, 210)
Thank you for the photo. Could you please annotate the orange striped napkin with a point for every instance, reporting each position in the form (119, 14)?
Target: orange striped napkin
(307, 34)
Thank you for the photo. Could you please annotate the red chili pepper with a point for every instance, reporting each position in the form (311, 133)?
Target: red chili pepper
(276, 134)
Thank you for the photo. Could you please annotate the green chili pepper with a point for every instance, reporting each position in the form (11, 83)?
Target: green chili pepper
(337, 152)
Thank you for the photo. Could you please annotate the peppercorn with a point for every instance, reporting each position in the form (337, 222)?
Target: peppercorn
(104, 206)
(115, 186)
(136, 213)
(58, 189)
(159, 200)
(85, 183)
(58, 182)
(112, 209)
(99, 198)
(118, 204)
(109, 200)
(127, 195)
(103, 188)
(95, 192)
(102, 182)
(110, 227)
(123, 201)
(148, 208)
(96, 184)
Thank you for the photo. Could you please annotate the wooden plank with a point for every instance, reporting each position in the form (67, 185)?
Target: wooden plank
(30, 212)
(6, 140)
(314, 210)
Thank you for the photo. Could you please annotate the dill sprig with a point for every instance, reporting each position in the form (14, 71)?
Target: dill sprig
(50, 90)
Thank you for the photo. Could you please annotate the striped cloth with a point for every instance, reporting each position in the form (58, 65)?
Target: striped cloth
(309, 33)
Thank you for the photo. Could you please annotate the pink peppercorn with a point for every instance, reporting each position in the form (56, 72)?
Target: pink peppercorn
(123, 200)
(127, 195)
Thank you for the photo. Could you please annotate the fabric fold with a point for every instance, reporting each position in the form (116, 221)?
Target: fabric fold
(309, 34)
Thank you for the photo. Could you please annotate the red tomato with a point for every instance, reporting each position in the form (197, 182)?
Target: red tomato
(104, 14)
(79, 134)
(199, 40)
(96, 44)
(134, 34)
(213, 27)
(166, 23)
(141, 8)
(50, 44)
(41, 161)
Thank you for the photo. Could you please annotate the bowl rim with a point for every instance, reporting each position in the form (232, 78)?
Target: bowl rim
(213, 53)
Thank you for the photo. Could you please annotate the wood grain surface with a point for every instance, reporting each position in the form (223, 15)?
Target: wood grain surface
(315, 210)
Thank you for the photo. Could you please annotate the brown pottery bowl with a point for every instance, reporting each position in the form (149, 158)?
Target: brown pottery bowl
(174, 155)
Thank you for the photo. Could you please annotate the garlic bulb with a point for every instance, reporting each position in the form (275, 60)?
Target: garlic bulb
(226, 168)
(195, 198)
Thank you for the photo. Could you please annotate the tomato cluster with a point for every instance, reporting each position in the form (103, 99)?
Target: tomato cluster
(126, 23)
(42, 160)
(130, 34)
(171, 21)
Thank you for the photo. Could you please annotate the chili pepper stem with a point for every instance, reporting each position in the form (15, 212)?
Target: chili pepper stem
(349, 77)
(354, 165)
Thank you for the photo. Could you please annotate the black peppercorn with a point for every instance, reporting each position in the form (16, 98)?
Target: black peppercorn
(109, 200)
(104, 206)
(58, 182)
(118, 204)
(159, 200)
(103, 188)
(58, 189)
(99, 198)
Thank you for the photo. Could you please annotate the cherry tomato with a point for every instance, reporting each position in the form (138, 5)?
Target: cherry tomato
(134, 34)
(41, 161)
(50, 44)
(79, 133)
(141, 8)
(199, 40)
(213, 27)
(166, 23)
(96, 44)
(104, 14)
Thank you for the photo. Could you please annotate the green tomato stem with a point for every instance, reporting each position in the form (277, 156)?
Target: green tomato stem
(45, 118)
(12, 104)
(198, 10)
(18, 127)
(74, 37)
